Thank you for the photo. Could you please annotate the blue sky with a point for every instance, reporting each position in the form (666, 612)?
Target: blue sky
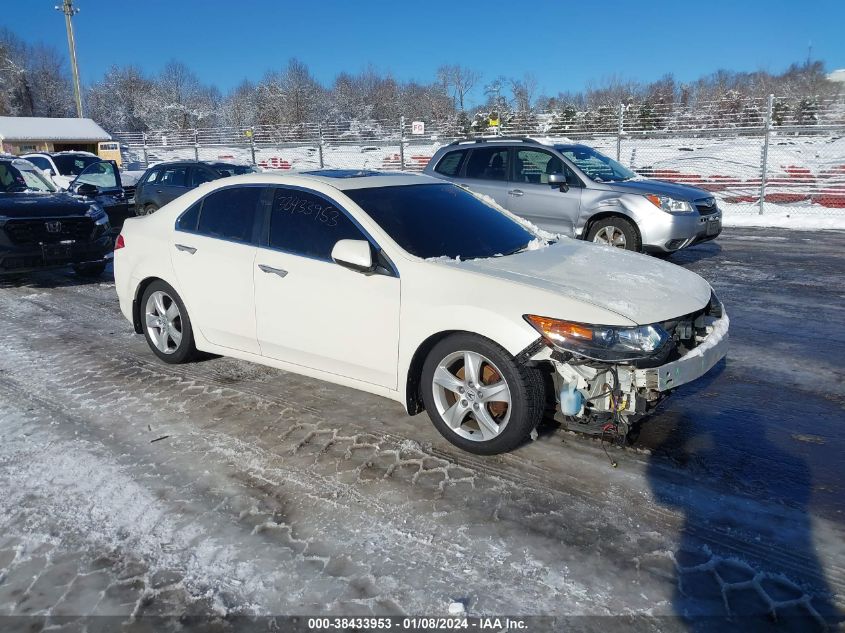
(565, 44)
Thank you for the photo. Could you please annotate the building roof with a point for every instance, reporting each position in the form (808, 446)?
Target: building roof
(20, 128)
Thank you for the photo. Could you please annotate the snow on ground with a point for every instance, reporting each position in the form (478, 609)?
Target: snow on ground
(223, 487)
(802, 217)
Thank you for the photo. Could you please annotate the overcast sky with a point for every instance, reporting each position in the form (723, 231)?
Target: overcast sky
(565, 45)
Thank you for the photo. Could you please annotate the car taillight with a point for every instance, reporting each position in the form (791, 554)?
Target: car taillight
(119, 242)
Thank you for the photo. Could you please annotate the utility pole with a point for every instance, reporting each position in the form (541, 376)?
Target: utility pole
(68, 9)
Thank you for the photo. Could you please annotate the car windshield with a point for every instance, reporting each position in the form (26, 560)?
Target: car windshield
(441, 220)
(20, 175)
(73, 164)
(596, 165)
(234, 170)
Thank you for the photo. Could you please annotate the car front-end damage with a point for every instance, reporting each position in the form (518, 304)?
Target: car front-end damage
(608, 378)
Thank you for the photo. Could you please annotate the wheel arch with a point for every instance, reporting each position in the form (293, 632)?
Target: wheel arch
(616, 213)
(413, 378)
(136, 301)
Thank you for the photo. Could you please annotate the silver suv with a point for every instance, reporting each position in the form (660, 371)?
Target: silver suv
(575, 190)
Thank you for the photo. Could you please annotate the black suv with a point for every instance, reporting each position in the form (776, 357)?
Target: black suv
(41, 227)
(167, 181)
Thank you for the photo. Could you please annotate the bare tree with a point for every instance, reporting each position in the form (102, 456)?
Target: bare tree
(459, 80)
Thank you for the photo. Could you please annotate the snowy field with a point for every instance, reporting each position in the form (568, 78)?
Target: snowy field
(222, 489)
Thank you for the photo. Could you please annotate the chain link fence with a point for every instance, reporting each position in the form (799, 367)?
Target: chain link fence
(755, 155)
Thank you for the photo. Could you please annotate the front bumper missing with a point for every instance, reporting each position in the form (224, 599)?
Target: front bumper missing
(690, 367)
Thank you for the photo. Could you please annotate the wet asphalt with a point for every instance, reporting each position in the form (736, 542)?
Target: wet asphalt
(769, 420)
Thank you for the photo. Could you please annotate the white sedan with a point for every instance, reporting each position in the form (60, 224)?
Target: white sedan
(419, 291)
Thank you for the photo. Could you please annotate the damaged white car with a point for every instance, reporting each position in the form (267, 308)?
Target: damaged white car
(417, 290)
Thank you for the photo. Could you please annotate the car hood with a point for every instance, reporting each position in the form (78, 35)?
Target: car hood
(638, 287)
(37, 205)
(660, 187)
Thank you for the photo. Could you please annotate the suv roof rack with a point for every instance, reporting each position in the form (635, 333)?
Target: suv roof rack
(487, 139)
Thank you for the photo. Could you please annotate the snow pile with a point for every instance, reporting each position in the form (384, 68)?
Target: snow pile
(799, 217)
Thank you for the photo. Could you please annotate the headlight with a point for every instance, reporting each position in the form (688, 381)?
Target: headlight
(670, 205)
(600, 342)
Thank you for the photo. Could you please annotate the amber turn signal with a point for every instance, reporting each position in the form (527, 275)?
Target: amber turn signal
(555, 329)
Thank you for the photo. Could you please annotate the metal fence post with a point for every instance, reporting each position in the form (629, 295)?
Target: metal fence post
(764, 163)
(146, 159)
(252, 142)
(196, 145)
(320, 146)
(402, 142)
(619, 131)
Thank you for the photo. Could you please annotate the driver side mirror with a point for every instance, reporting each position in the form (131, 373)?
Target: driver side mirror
(354, 254)
(86, 189)
(558, 180)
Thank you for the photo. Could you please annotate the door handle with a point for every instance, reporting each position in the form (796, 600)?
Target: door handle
(158, 190)
(516, 192)
(275, 271)
(186, 249)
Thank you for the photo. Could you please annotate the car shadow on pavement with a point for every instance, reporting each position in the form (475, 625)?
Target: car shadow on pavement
(53, 279)
(695, 253)
(768, 579)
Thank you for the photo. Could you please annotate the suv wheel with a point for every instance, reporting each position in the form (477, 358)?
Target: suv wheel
(616, 232)
(477, 395)
(149, 209)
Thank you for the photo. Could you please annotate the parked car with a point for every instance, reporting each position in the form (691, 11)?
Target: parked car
(98, 179)
(41, 227)
(167, 181)
(319, 274)
(574, 190)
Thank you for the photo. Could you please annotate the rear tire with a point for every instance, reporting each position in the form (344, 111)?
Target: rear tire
(615, 231)
(166, 324)
(149, 209)
(478, 397)
(90, 270)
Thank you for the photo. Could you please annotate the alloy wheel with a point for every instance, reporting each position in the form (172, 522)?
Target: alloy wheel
(610, 236)
(471, 395)
(164, 322)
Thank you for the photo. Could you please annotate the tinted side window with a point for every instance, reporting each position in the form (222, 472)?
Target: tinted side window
(534, 166)
(304, 223)
(173, 176)
(151, 177)
(188, 220)
(488, 163)
(450, 164)
(200, 175)
(230, 214)
(40, 162)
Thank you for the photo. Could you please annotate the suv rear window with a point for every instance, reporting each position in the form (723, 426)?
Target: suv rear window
(488, 163)
(450, 164)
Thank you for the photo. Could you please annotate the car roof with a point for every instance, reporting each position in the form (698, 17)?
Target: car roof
(339, 179)
(208, 163)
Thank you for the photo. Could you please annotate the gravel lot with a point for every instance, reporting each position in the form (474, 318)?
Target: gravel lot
(222, 489)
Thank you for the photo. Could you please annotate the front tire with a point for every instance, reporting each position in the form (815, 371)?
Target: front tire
(149, 209)
(166, 324)
(478, 397)
(615, 231)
